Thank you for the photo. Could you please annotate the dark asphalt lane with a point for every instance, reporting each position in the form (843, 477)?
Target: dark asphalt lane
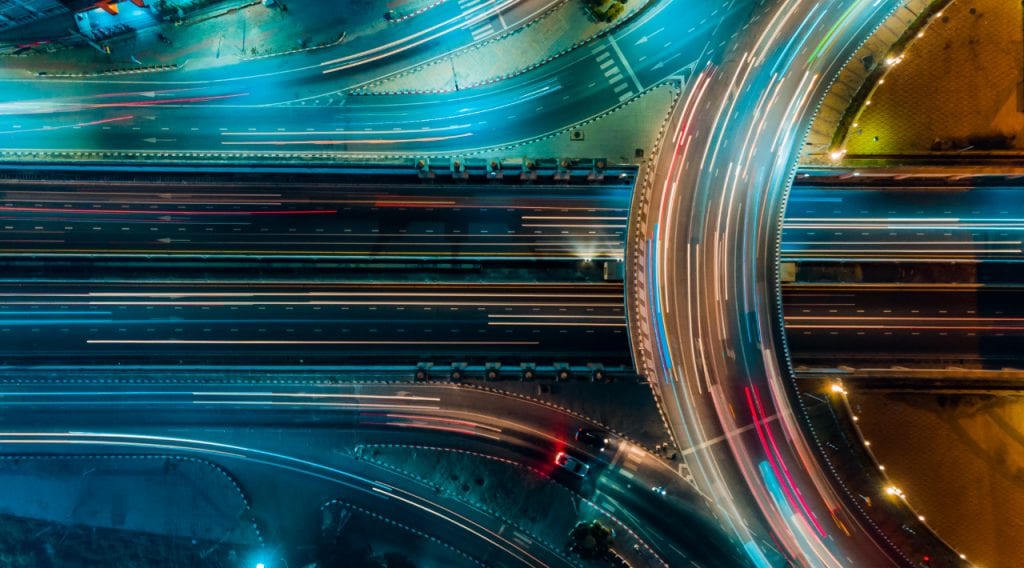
(303, 322)
(932, 234)
(920, 324)
(401, 220)
(904, 223)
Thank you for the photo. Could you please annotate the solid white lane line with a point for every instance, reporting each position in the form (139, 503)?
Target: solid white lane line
(625, 63)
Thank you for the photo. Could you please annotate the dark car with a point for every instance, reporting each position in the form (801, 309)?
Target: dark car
(592, 437)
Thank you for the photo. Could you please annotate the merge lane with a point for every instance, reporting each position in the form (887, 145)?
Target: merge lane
(310, 323)
(398, 221)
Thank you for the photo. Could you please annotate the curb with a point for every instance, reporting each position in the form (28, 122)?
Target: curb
(364, 90)
(417, 12)
(338, 41)
(404, 527)
(124, 71)
(216, 467)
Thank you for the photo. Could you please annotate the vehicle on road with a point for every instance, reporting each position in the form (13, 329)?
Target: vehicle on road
(571, 464)
(593, 437)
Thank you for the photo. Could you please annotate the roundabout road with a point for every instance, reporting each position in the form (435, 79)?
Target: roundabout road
(706, 310)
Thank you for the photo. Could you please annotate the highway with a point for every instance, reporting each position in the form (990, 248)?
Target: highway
(913, 273)
(708, 307)
(894, 222)
(923, 325)
(714, 345)
(289, 428)
(265, 268)
(313, 218)
(306, 322)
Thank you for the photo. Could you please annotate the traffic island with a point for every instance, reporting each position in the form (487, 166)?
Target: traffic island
(958, 460)
(955, 90)
(121, 510)
(351, 536)
(627, 133)
(623, 407)
(567, 26)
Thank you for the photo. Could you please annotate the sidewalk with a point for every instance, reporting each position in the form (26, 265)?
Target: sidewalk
(222, 34)
(614, 135)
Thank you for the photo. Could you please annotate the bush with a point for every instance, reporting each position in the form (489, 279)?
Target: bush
(614, 11)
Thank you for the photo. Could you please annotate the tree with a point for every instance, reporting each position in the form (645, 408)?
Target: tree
(614, 11)
(591, 540)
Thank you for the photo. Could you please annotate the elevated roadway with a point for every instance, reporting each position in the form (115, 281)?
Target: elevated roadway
(708, 310)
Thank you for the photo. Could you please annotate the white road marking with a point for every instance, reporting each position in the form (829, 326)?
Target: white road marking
(625, 63)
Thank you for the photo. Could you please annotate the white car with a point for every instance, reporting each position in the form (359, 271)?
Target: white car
(571, 464)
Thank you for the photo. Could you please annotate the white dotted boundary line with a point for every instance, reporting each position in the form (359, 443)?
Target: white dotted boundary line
(402, 526)
(571, 494)
(641, 196)
(417, 12)
(558, 407)
(308, 157)
(364, 90)
(215, 466)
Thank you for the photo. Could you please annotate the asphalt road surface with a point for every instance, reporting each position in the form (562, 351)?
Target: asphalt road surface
(291, 427)
(301, 322)
(924, 325)
(713, 327)
(289, 105)
(946, 223)
(314, 219)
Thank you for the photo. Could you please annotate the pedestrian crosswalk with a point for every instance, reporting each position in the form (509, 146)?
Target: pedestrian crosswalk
(611, 68)
(632, 459)
(483, 29)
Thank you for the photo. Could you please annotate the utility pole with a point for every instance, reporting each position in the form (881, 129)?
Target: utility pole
(455, 77)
